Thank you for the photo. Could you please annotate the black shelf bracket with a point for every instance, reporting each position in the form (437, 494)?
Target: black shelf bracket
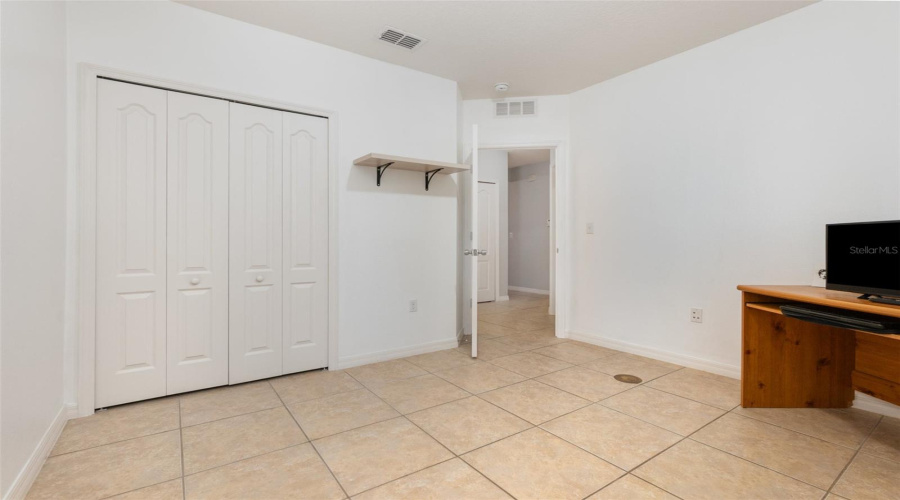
(429, 175)
(381, 169)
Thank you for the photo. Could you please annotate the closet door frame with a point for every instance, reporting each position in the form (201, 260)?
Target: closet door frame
(83, 324)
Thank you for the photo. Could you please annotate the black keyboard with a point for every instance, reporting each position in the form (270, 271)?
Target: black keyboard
(841, 318)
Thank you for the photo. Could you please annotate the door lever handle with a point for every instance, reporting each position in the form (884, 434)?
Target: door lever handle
(467, 252)
(482, 252)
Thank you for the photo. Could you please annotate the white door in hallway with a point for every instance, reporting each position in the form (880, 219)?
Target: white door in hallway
(305, 193)
(488, 233)
(131, 243)
(197, 290)
(255, 243)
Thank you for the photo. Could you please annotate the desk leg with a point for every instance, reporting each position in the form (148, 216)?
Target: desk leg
(788, 363)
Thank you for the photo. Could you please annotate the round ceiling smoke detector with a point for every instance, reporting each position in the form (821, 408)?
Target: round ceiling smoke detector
(501, 87)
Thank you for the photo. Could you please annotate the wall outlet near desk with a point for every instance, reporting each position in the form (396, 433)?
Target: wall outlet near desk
(413, 305)
(696, 315)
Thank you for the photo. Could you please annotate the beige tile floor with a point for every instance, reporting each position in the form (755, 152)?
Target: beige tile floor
(535, 417)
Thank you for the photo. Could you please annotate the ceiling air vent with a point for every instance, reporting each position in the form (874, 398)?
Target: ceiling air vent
(515, 108)
(400, 38)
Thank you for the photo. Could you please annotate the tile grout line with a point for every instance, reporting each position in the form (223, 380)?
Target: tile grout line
(455, 455)
(591, 402)
(683, 438)
(114, 442)
(308, 440)
(231, 416)
(732, 411)
(757, 464)
(810, 436)
(406, 475)
(181, 449)
(628, 473)
(172, 429)
(532, 427)
(855, 454)
(854, 448)
(691, 436)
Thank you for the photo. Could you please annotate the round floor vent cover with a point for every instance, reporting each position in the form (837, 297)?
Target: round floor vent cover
(628, 379)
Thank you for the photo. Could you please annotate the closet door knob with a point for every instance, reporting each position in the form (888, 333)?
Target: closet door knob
(259, 278)
(195, 281)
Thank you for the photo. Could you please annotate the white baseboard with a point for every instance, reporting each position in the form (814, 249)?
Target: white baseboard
(875, 405)
(502, 298)
(389, 354)
(529, 290)
(32, 468)
(667, 356)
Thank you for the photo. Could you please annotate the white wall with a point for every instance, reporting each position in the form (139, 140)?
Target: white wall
(721, 166)
(397, 242)
(529, 211)
(493, 166)
(32, 227)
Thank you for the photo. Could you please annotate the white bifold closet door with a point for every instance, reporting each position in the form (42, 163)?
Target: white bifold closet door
(131, 243)
(255, 244)
(212, 243)
(278, 243)
(305, 259)
(197, 289)
(162, 243)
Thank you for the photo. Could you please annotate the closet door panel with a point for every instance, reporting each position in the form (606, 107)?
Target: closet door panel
(305, 242)
(255, 243)
(197, 295)
(131, 243)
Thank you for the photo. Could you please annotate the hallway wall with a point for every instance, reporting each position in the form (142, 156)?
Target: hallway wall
(529, 211)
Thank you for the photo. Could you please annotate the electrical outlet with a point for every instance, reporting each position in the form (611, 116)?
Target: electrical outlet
(590, 228)
(696, 315)
(413, 305)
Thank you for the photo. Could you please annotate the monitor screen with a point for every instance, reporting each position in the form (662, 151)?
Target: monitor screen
(864, 257)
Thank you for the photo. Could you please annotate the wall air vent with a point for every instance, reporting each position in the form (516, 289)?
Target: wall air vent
(515, 108)
(400, 38)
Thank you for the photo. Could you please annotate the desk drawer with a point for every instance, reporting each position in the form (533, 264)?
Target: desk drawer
(878, 355)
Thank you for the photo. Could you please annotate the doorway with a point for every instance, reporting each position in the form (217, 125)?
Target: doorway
(522, 237)
(518, 311)
(529, 221)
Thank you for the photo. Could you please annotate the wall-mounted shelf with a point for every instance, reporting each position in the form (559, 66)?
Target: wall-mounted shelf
(428, 167)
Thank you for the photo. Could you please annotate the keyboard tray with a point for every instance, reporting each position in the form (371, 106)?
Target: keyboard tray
(842, 318)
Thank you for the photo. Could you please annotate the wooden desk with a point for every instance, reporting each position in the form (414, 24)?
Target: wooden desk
(788, 363)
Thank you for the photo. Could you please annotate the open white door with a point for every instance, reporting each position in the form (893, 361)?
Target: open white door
(469, 244)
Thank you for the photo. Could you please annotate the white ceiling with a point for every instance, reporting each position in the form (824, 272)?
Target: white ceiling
(538, 47)
(520, 157)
